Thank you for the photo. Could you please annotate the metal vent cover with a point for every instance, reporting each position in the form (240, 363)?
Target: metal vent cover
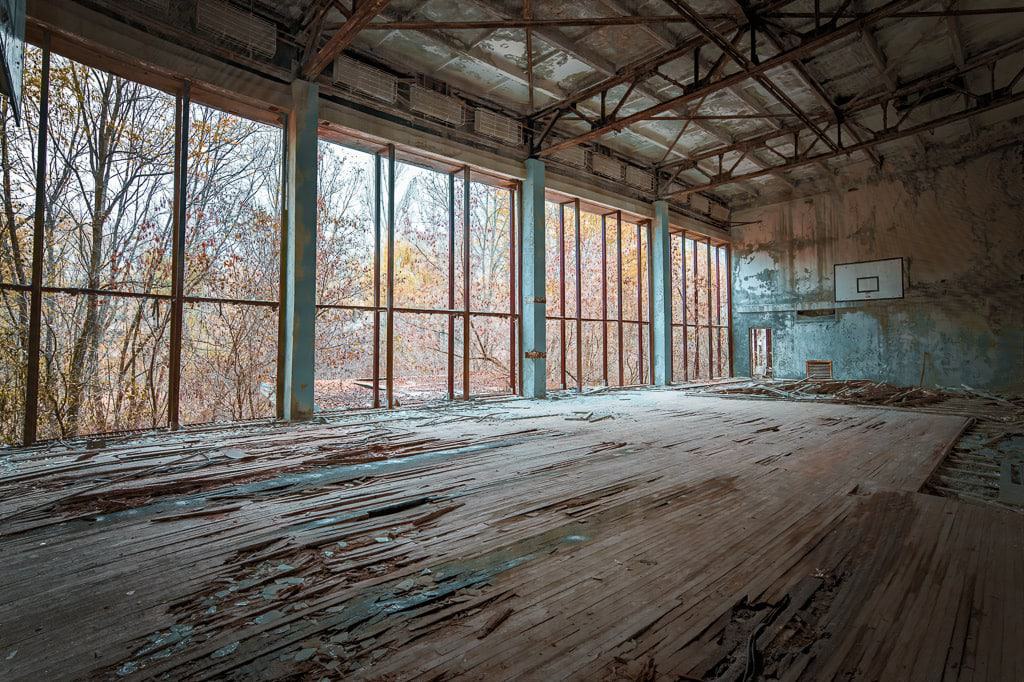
(607, 166)
(435, 105)
(503, 128)
(573, 156)
(365, 79)
(240, 28)
(819, 369)
(640, 179)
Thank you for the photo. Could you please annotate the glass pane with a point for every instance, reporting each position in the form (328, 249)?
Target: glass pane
(18, 159)
(13, 359)
(554, 354)
(489, 249)
(613, 354)
(590, 252)
(233, 219)
(345, 239)
(552, 259)
(489, 360)
(111, 156)
(344, 359)
(630, 356)
(103, 364)
(570, 261)
(629, 272)
(421, 238)
(421, 357)
(593, 354)
(678, 362)
(678, 281)
(228, 362)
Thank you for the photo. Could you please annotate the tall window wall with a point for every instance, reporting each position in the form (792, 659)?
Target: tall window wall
(100, 253)
(453, 272)
(700, 309)
(153, 267)
(597, 290)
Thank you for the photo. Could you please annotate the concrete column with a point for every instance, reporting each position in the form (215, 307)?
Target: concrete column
(661, 295)
(298, 256)
(534, 353)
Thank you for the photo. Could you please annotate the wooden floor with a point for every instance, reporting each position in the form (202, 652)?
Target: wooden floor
(639, 535)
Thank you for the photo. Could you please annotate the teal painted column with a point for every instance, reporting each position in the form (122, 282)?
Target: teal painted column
(661, 295)
(534, 353)
(298, 255)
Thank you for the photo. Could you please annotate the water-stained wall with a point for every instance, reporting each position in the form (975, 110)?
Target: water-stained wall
(960, 229)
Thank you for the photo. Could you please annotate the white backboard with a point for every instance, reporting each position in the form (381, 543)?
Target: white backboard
(869, 280)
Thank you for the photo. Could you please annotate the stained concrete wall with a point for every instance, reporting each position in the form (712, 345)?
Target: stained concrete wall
(960, 229)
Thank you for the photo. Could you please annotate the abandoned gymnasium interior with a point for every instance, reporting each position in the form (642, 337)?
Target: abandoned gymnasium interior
(624, 340)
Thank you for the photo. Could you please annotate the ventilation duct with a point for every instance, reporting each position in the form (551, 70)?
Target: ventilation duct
(435, 105)
(365, 79)
(243, 29)
(640, 179)
(502, 128)
(607, 166)
(573, 156)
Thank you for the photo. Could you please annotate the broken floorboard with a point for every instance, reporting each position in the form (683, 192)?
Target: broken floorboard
(621, 535)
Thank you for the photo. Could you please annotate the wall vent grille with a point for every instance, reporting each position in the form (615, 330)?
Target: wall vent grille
(435, 105)
(365, 79)
(819, 369)
(573, 156)
(503, 128)
(640, 179)
(606, 166)
(242, 29)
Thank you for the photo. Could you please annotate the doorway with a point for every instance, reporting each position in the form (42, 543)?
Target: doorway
(760, 352)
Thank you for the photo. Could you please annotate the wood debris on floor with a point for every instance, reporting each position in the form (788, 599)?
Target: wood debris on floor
(622, 535)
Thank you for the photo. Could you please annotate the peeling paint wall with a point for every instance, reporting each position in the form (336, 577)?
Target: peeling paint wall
(960, 229)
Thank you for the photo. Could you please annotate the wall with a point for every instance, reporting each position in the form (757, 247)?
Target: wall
(960, 229)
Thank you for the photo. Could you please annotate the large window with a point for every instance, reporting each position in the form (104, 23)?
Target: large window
(436, 299)
(232, 265)
(597, 290)
(105, 251)
(700, 309)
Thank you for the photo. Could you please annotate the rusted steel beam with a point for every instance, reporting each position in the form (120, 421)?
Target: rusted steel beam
(465, 282)
(451, 286)
(512, 289)
(809, 46)
(604, 299)
(920, 85)
(711, 347)
(376, 279)
(647, 65)
(728, 303)
(561, 287)
(179, 211)
(389, 351)
(639, 310)
(881, 138)
(718, 313)
(618, 263)
(31, 424)
(696, 316)
(686, 339)
(343, 37)
(579, 297)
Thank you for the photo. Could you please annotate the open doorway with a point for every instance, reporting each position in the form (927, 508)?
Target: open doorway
(760, 352)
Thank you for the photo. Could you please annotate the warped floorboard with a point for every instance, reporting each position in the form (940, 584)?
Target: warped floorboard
(626, 535)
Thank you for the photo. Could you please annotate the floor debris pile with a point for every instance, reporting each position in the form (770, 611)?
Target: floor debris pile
(623, 535)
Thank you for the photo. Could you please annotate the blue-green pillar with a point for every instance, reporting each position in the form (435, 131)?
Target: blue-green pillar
(661, 295)
(534, 353)
(298, 256)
